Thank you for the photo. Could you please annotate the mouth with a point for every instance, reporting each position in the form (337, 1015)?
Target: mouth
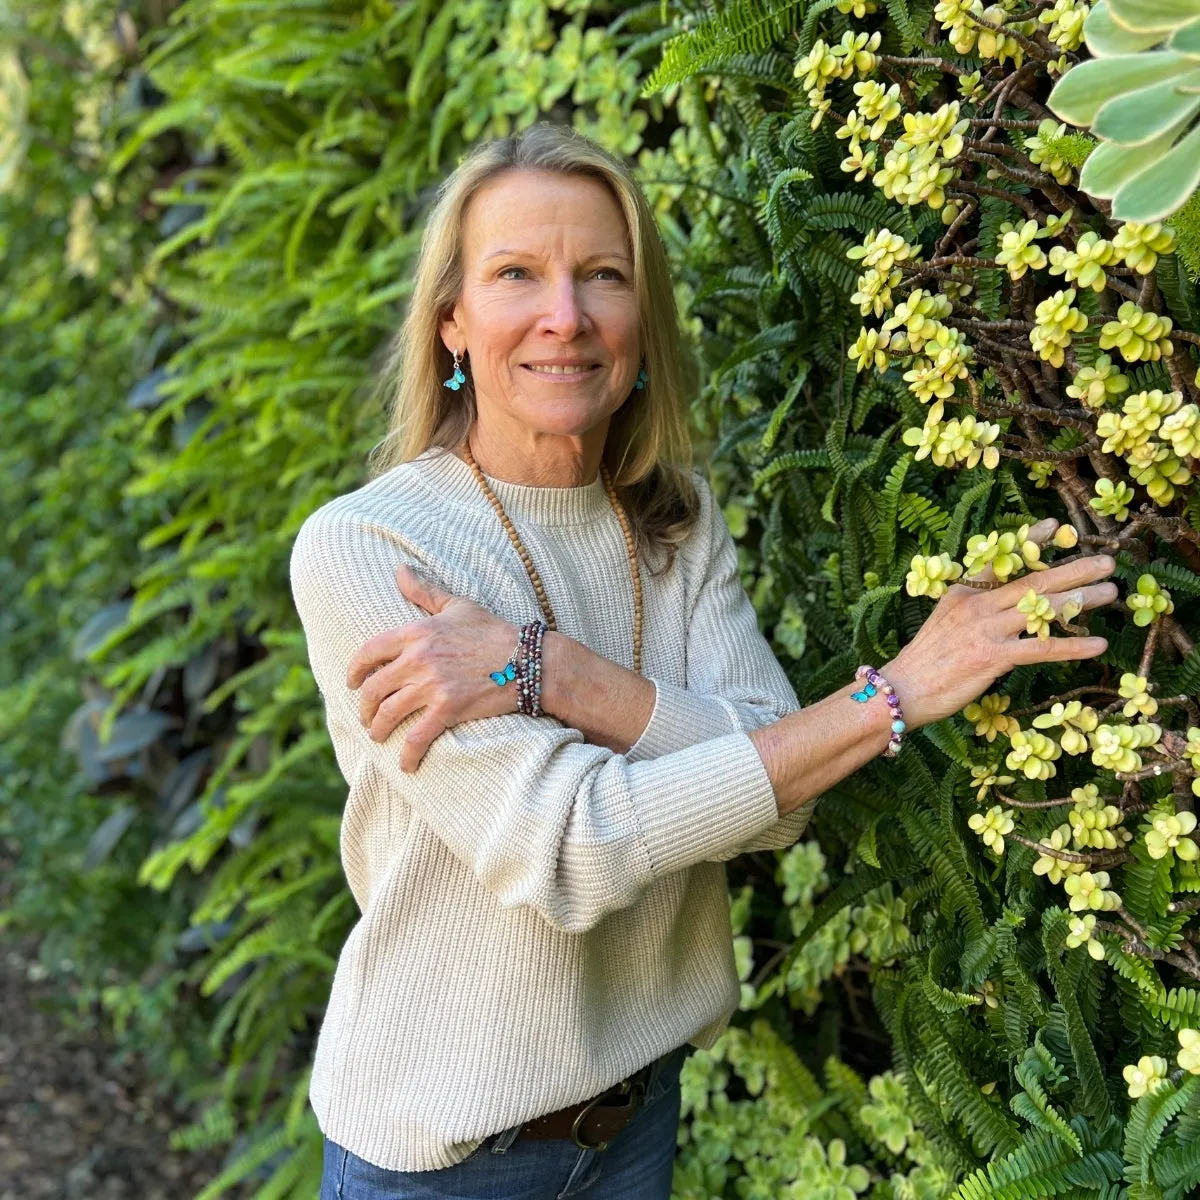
(562, 374)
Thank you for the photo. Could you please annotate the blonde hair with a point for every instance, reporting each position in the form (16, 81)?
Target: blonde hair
(648, 449)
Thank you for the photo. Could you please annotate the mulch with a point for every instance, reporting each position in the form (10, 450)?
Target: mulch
(76, 1124)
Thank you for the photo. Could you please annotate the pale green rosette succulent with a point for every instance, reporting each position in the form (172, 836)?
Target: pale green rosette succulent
(1140, 96)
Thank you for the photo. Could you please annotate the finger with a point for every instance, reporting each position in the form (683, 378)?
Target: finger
(1040, 533)
(389, 678)
(1012, 620)
(419, 738)
(420, 591)
(393, 710)
(374, 653)
(1043, 530)
(1061, 578)
(1055, 649)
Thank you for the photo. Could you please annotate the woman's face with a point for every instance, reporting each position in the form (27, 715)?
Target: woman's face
(547, 279)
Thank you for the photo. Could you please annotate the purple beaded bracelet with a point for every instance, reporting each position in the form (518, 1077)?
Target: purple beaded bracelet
(529, 668)
(875, 682)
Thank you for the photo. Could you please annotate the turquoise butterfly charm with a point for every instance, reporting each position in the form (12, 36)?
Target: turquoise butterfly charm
(500, 678)
(454, 383)
(869, 689)
(642, 377)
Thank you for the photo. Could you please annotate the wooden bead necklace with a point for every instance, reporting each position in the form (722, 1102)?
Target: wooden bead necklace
(531, 570)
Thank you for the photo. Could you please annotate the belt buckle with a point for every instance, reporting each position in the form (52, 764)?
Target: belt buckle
(637, 1092)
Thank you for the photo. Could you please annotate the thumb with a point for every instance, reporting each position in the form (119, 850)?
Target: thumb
(413, 587)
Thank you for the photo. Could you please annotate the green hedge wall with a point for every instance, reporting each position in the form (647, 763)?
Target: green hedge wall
(231, 202)
(205, 224)
(1031, 1054)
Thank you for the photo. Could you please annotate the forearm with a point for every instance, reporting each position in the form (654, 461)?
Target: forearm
(609, 704)
(805, 753)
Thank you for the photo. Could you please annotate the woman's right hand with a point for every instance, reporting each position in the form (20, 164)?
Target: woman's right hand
(973, 636)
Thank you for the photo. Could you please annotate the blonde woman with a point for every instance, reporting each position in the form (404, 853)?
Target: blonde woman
(548, 693)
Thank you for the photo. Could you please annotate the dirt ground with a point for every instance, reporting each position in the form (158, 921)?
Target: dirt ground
(74, 1125)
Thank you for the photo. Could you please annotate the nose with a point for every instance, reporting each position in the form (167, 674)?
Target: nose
(564, 312)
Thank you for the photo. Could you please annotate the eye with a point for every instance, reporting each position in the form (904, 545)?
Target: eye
(611, 271)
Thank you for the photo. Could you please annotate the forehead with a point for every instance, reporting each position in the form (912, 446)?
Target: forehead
(538, 211)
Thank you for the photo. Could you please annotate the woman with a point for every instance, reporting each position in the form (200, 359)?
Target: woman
(547, 691)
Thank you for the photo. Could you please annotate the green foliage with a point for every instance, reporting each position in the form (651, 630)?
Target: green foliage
(206, 238)
(1074, 148)
(746, 27)
(83, 350)
(1187, 225)
(1008, 1041)
(1037, 1072)
(235, 247)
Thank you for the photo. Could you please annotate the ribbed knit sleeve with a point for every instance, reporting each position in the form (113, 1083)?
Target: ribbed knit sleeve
(540, 817)
(733, 680)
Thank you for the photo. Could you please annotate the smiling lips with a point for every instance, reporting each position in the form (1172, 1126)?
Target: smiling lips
(561, 372)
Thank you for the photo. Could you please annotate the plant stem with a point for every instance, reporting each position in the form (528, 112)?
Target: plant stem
(1102, 858)
(1031, 803)
(1148, 650)
(1042, 706)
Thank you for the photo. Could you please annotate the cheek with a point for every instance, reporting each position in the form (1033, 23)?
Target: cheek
(496, 342)
(497, 325)
(618, 322)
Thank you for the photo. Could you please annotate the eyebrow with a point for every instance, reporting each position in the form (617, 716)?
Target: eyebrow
(530, 254)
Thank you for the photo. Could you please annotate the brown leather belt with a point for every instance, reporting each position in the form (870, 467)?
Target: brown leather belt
(592, 1124)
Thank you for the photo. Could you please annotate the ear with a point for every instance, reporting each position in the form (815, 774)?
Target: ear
(452, 331)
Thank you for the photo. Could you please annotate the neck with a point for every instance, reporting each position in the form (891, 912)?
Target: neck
(537, 459)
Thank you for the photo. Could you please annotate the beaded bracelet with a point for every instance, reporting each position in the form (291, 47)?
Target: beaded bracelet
(529, 668)
(875, 682)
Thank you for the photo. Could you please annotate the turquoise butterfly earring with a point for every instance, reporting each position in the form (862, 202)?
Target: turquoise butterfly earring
(456, 381)
(642, 377)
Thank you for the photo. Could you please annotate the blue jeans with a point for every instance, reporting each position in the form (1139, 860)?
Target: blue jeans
(637, 1165)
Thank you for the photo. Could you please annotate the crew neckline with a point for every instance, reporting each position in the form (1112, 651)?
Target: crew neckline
(453, 479)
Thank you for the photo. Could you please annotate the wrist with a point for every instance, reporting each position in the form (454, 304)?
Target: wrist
(874, 717)
(558, 660)
(609, 704)
(908, 690)
(874, 685)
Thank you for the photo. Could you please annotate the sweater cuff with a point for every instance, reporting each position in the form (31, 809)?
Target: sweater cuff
(680, 719)
(721, 798)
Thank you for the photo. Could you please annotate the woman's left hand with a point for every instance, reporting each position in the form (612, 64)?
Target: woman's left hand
(439, 663)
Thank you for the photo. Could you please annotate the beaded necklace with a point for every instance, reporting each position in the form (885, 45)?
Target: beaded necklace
(531, 570)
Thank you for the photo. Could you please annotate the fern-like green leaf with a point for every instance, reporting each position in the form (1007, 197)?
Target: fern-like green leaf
(1179, 1008)
(923, 517)
(1042, 1166)
(1083, 1049)
(1034, 1073)
(1146, 1124)
(745, 27)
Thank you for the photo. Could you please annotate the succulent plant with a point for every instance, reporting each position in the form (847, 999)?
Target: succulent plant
(1139, 94)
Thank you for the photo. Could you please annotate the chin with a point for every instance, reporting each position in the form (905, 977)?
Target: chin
(566, 424)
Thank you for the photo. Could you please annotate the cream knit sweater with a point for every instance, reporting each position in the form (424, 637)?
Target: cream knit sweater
(539, 916)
